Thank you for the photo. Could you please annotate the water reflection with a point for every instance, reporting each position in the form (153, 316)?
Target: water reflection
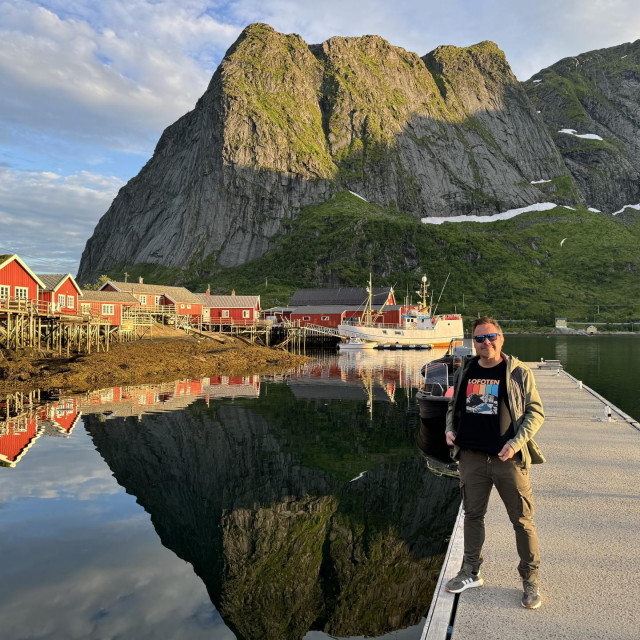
(300, 502)
(561, 348)
(25, 417)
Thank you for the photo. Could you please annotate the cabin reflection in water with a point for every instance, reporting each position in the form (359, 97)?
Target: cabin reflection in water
(24, 420)
(26, 417)
(261, 497)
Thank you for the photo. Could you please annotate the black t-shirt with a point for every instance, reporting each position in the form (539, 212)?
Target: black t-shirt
(485, 420)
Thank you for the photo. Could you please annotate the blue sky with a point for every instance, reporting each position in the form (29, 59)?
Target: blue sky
(86, 87)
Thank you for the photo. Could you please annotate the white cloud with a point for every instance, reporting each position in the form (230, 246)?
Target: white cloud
(46, 218)
(118, 83)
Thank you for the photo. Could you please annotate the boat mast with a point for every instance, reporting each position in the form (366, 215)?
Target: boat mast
(424, 305)
(369, 309)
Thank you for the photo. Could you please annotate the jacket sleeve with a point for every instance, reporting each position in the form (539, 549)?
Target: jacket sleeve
(533, 414)
(452, 402)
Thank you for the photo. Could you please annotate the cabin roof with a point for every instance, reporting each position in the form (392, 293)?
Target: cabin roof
(316, 309)
(52, 281)
(350, 296)
(336, 308)
(229, 302)
(177, 294)
(108, 296)
(9, 257)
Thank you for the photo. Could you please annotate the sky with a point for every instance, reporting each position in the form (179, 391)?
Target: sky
(87, 87)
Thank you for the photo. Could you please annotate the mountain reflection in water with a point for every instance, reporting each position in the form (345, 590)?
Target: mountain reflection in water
(303, 506)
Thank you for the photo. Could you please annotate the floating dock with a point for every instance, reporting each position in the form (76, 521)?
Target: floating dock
(587, 498)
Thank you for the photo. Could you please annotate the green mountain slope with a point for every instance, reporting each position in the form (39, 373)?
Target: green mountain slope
(518, 268)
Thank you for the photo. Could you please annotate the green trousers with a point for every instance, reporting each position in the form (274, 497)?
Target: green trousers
(479, 472)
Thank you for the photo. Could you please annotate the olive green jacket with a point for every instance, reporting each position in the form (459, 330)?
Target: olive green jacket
(527, 414)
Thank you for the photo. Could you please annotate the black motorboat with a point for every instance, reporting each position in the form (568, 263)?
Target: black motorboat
(433, 401)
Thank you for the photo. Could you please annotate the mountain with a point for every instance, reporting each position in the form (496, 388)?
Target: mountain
(252, 186)
(596, 95)
(518, 268)
(284, 124)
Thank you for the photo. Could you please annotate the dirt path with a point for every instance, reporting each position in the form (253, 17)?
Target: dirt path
(162, 358)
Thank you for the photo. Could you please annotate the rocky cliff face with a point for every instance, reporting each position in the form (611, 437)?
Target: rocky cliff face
(595, 94)
(284, 124)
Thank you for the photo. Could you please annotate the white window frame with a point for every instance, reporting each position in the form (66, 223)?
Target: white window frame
(70, 302)
(324, 318)
(225, 313)
(245, 313)
(157, 300)
(188, 306)
(22, 293)
(5, 291)
(85, 307)
(306, 318)
(108, 309)
(143, 298)
(62, 300)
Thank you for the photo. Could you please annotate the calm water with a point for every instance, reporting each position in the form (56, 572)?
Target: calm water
(608, 364)
(290, 507)
(281, 507)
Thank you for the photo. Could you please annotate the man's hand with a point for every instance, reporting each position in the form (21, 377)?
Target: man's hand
(451, 438)
(506, 453)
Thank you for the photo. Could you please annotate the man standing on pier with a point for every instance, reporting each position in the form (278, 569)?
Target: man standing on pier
(493, 415)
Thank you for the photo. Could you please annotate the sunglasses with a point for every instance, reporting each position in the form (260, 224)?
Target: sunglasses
(491, 336)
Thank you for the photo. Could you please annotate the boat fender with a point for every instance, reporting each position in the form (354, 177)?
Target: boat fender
(449, 393)
(433, 320)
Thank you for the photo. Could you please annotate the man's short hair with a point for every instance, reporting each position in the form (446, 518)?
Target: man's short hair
(487, 320)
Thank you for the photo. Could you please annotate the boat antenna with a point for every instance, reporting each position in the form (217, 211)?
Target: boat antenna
(441, 292)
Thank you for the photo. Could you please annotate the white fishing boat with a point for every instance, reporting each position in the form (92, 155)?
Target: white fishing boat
(355, 343)
(419, 325)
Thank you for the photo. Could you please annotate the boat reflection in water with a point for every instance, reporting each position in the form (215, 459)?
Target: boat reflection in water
(302, 513)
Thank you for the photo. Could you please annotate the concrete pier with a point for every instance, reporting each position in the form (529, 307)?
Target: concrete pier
(587, 499)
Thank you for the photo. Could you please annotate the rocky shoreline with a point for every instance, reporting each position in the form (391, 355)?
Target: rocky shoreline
(144, 361)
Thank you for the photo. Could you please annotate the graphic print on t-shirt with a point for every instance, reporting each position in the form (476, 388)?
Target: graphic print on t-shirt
(482, 396)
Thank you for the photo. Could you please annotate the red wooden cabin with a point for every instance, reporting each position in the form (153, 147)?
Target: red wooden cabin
(107, 304)
(331, 307)
(60, 294)
(17, 281)
(152, 296)
(325, 316)
(233, 309)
